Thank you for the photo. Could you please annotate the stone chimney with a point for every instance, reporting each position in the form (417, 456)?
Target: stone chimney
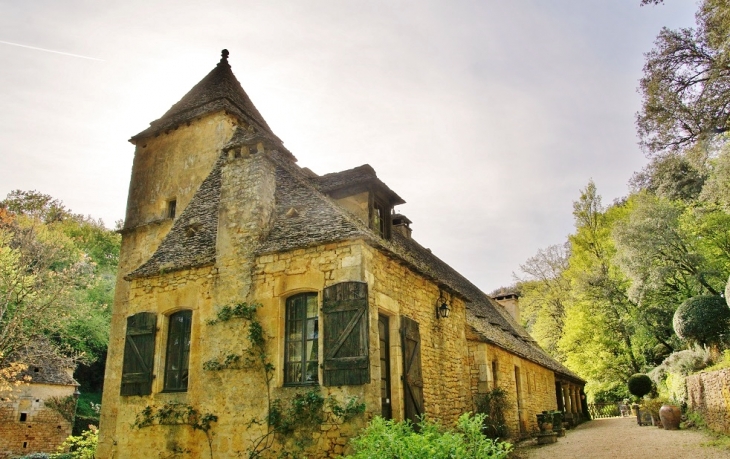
(511, 302)
(402, 225)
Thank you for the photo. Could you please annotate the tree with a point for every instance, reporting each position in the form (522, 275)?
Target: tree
(600, 339)
(639, 385)
(544, 293)
(703, 320)
(57, 273)
(671, 176)
(686, 84)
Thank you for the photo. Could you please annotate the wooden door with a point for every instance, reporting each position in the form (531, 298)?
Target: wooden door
(345, 311)
(384, 336)
(412, 375)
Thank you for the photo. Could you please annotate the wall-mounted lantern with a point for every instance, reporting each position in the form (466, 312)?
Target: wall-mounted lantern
(442, 308)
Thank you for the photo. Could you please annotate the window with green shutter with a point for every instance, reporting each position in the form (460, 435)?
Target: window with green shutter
(301, 360)
(345, 315)
(178, 352)
(139, 353)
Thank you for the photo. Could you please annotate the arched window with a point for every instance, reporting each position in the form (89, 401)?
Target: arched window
(178, 352)
(301, 360)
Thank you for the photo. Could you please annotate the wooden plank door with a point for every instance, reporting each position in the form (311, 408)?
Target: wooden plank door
(384, 337)
(346, 345)
(412, 374)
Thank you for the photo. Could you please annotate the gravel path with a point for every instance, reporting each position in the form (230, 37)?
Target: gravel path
(624, 438)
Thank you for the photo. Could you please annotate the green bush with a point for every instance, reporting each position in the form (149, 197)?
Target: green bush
(81, 447)
(639, 384)
(395, 440)
(494, 404)
(702, 319)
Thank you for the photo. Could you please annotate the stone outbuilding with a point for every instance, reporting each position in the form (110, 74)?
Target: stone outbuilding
(37, 415)
(261, 307)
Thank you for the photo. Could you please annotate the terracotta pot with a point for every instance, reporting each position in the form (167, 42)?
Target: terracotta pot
(670, 417)
(546, 427)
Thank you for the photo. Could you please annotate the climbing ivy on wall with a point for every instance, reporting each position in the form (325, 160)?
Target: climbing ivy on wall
(172, 414)
(287, 418)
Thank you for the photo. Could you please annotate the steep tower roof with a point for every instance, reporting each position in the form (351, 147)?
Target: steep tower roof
(219, 90)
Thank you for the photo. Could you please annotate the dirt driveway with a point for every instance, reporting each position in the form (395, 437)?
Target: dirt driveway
(624, 438)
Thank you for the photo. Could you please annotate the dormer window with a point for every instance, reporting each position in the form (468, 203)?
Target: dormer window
(171, 208)
(380, 220)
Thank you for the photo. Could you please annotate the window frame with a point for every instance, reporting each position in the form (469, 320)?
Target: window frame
(290, 315)
(182, 356)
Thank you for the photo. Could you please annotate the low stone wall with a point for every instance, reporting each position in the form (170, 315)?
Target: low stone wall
(709, 395)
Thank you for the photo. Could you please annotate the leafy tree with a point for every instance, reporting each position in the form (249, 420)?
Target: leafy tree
(544, 294)
(686, 83)
(57, 273)
(702, 319)
(717, 187)
(601, 338)
(639, 385)
(672, 176)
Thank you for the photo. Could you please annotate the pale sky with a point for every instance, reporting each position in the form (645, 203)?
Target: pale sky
(487, 117)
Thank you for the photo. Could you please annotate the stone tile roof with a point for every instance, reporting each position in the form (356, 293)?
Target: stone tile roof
(361, 175)
(488, 319)
(219, 90)
(45, 365)
(315, 219)
(192, 239)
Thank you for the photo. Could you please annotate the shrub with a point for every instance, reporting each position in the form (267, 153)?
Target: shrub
(494, 404)
(653, 405)
(702, 319)
(669, 376)
(639, 384)
(383, 439)
(81, 447)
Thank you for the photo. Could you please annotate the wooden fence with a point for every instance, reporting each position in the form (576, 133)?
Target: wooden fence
(608, 410)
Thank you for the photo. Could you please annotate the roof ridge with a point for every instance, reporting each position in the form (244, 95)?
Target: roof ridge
(188, 243)
(219, 90)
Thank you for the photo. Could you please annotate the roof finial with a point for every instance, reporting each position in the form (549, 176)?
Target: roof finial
(224, 55)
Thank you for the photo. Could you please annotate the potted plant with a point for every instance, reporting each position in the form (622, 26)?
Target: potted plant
(545, 421)
(653, 406)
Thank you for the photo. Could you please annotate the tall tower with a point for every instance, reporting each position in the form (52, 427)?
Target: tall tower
(175, 159)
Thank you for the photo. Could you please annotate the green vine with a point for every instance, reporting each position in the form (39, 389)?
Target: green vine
(239, 311)
(65, 406)
(172, 414)
(285, 418)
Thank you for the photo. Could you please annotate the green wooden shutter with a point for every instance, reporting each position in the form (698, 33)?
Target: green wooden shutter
(139, 353)
(345, 311)
(413, 377)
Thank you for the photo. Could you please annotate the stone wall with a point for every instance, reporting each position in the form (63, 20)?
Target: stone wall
(236, 396)
(397, 291)
(42, 430)
(709, 394)
(536, 389)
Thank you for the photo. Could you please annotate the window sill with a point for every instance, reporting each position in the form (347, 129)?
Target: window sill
(305, 384)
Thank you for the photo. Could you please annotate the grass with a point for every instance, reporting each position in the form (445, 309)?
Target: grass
(84, 407)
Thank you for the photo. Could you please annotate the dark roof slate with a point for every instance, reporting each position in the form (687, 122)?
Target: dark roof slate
(192, 239)
(486, 317)
(361, 175)
(315, 218)
(219, 90)
(45, 365)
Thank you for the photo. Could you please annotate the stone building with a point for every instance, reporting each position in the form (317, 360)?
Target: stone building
(37, 416)
(351, 308)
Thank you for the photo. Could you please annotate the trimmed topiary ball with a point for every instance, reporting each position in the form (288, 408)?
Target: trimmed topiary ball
(702, 319)
(639, 384)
